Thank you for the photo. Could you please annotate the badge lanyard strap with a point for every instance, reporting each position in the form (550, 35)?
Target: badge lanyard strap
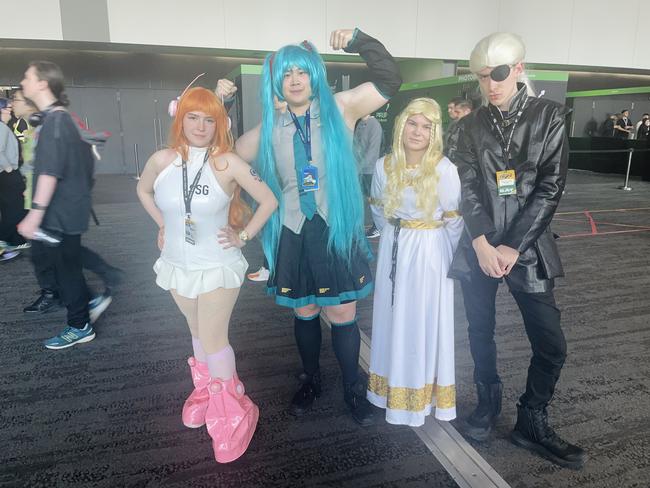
(505, 145)
(188, 194)
(305, 136)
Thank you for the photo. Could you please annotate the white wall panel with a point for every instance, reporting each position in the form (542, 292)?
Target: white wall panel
(574, 32)
(391, 21)
(269, 25)
(198, 23)
(544, 26)
(641, 51)
(599, 30)
(449, 30)
(36, 19)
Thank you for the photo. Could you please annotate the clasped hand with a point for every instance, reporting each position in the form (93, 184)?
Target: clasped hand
(495, 262)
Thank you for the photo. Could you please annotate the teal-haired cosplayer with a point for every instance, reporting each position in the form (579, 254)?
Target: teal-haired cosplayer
(344, 197)
(317, 253)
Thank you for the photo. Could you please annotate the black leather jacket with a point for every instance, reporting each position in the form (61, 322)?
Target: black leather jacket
(539, 156)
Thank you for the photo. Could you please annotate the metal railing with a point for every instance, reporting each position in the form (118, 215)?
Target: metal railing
(136, 161)
(629, 150)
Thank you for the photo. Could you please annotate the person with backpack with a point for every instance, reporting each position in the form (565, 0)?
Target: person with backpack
(61, 204)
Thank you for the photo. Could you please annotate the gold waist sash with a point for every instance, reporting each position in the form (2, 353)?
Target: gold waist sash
(424, 224)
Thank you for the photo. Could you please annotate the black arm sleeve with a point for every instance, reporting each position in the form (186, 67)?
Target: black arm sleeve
(537, 213)
(384, 69)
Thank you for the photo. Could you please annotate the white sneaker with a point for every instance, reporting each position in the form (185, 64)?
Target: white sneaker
(373, 232)
(6, 255)
(19, 247)
(261, 274)
(97, 306)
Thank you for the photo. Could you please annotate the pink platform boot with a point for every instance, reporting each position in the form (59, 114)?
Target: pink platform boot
(231, 418)
(197, 403)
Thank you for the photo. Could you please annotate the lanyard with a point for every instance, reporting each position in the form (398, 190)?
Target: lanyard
(305, 136)
(188, 194)
(505, 145)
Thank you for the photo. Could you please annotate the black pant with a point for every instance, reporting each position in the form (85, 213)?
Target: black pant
(90, 260)
(63, 273)
(12, 206)
(542, 321)
(43, 259)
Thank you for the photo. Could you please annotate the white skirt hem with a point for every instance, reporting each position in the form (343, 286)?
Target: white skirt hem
(412, 419)
(192, 283)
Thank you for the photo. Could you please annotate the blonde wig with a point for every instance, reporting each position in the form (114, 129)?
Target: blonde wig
(497, 49)
(425, 179)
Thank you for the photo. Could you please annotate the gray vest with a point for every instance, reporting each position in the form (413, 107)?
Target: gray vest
(283, 131)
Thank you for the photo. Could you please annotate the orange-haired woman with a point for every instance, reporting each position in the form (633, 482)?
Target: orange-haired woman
(192, 191)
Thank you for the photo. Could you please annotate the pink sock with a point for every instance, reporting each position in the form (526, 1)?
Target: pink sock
(199, 353)
(222, 363)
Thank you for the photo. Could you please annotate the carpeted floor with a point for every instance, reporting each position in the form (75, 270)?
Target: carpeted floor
(107, 413)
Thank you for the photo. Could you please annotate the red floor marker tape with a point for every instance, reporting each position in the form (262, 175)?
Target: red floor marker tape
(594, 229)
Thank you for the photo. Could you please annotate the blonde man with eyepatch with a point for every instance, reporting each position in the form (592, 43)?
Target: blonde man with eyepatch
(512, 158)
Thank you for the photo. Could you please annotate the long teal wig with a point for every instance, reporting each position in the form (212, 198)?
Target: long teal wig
(344, 198)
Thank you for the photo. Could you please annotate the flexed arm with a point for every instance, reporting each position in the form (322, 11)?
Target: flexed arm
(386, 79)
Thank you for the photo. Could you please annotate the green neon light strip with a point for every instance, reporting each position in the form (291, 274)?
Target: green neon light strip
(611, 91)
(452, 80)
(548, 75)
(456, 80)
(245, 69)
(251, 69)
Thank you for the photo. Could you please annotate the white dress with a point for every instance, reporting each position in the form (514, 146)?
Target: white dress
(205, 266)
(412, 352)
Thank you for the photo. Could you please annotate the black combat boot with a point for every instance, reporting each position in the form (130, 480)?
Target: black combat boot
(361, 409)
(480, 422)
(532, 432)
(46, 302)
(304, 397)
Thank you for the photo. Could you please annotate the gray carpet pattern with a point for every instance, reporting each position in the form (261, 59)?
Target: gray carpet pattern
(107, 413)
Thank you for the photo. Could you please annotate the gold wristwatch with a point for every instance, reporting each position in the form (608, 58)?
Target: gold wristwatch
(243, 236)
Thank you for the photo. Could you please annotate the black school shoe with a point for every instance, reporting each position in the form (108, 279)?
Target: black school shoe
(310, 389)
(532, 432)
(363, 412)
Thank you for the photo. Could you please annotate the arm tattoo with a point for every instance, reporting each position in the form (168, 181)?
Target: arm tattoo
(255, 175)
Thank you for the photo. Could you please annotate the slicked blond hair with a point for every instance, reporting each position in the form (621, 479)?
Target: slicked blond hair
(500, 48)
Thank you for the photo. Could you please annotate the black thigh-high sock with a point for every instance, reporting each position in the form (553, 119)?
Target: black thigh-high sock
(346, 342)
(308, 338)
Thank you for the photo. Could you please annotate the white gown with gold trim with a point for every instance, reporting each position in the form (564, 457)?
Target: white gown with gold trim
(412, 351)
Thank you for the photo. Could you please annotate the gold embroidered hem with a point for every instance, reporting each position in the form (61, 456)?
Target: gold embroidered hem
(412, 399)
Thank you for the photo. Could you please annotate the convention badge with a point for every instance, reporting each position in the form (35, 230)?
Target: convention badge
(189, 230)
(506, 182)
(310, 178)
